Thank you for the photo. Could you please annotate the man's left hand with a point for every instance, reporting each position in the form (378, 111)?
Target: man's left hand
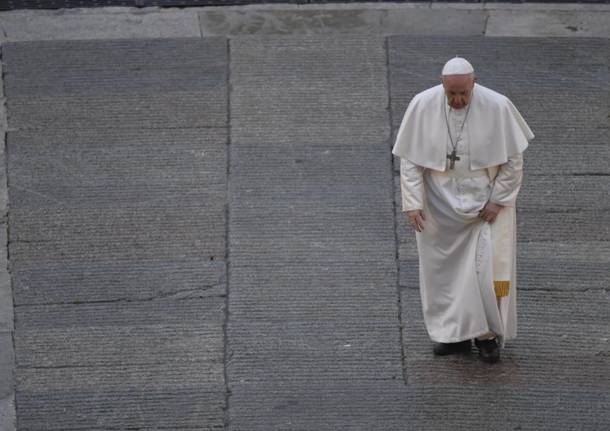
(490, 211)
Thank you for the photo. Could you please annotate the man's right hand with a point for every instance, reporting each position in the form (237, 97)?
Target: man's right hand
(416, 219)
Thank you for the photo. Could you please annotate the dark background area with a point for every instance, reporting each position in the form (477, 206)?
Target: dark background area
(58, 4)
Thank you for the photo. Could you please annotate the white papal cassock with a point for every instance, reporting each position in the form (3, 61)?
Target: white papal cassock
(467, 267)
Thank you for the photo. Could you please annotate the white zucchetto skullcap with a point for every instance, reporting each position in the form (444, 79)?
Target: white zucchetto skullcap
(457, 66)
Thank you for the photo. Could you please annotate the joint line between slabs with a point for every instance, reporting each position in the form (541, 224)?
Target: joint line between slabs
(226, 353)
(394, 217)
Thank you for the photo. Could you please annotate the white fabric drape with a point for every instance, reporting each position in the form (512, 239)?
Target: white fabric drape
(456, 251)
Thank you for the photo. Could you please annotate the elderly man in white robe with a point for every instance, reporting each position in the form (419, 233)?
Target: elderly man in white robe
(461, 157)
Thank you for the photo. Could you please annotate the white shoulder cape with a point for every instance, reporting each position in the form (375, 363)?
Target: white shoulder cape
(496, 129)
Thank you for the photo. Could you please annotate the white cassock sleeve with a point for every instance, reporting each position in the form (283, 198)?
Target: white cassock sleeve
(411, 185)
(508, 182)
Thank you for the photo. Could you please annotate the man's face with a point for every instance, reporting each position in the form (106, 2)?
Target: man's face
(458, 89)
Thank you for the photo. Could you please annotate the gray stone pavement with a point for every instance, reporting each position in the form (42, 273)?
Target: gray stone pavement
(200, 214)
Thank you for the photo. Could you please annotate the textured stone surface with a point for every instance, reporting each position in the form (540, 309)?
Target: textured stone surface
(97, 280)
(6, 291)
(99, 161)
(548, 23)
(565, 81)
(117, 232)
(49, 83)
(180, 407)
(412, 19)
(305, 98)
(118, 237)
(7, 413)
(364, 405)
(98, 23)
(7, 362)
(312, 275)
(555, 363)
(565, 358)
(6, 367)
(435, 18)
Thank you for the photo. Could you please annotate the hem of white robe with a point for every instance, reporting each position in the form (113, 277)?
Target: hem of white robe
(460, 338)
(501, 338)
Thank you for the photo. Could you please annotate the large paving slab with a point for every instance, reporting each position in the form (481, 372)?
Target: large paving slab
(411, 18)
(565, 360)
(151, 83)
(117, 231)
(433, 405)
(99, 23)
(562, 91)
(546, 22)
(312, 253)
(549, 377)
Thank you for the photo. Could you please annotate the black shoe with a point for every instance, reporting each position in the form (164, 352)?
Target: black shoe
(488, 350)
(449, 348)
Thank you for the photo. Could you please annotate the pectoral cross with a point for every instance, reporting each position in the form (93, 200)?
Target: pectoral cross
(453, 157)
